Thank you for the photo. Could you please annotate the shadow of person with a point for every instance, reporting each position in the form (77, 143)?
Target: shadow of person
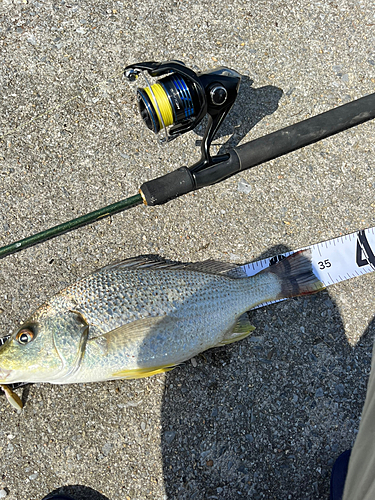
(266, 417)
(79, 492)
(258, 103)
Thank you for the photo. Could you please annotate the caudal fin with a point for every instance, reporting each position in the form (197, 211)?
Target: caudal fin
(296, 275)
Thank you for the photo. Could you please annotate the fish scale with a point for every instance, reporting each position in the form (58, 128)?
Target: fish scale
(105, 300)
(140, 317)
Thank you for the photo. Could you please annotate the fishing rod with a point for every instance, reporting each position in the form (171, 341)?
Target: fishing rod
(175, 104)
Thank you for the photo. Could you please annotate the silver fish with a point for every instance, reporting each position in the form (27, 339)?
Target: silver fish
(140, 317)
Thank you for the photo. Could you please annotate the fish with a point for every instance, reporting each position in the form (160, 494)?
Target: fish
(144, 316)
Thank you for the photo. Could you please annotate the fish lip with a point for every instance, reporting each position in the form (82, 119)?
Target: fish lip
(4, 374)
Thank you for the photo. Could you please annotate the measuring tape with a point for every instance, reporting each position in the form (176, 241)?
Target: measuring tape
(333, 260)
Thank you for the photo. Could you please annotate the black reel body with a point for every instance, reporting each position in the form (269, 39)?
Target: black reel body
(181, 98)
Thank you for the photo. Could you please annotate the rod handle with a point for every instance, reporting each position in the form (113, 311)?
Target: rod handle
(165, 188)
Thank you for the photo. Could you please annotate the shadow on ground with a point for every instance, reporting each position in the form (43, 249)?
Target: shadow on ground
(268, 416)
(79, 492)
(258, 104)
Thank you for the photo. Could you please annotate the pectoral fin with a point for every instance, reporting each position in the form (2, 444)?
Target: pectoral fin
(133, 332)
(241, 330)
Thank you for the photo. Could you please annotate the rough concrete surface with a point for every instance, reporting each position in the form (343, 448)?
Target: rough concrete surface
(263, 418)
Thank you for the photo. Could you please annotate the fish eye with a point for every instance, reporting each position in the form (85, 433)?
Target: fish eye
(24, 336)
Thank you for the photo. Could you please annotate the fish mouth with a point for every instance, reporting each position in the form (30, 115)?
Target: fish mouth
(4, 374)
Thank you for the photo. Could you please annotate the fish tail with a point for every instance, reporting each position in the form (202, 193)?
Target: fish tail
(296, 275)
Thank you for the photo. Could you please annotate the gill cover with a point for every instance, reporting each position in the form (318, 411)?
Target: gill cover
(69, 334)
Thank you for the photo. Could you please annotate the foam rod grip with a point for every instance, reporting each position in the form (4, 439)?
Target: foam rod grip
(167, 187)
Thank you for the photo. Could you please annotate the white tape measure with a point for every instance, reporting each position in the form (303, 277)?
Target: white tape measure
(332, 261)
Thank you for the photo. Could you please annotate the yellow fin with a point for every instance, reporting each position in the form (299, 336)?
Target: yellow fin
(241, 330)
(142, 372)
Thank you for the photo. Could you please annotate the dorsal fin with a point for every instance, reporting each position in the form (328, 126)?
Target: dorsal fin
(154, 262)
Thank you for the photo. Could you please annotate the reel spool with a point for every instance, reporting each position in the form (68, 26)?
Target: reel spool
(172, 100)
(181, 98)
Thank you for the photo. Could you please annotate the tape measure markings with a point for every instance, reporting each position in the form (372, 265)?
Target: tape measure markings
(333, 261)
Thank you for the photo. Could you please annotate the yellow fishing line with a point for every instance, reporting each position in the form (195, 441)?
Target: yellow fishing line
(162, 101)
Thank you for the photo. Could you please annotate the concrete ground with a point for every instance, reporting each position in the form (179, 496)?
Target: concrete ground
(264, 418)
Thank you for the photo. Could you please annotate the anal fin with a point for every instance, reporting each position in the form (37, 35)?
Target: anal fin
(142, 372)
(241, 330)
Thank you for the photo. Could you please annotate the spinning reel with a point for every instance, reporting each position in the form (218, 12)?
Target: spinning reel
(181, 98)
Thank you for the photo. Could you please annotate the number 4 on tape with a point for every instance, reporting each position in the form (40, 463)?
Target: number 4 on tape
(364, 254)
